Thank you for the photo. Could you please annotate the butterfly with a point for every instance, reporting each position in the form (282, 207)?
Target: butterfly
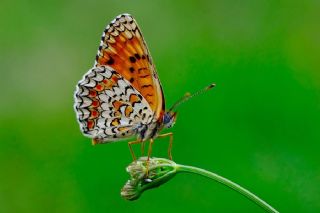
(121, 96)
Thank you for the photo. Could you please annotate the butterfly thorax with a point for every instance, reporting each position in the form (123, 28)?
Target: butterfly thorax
(148, 131)
(152, 129)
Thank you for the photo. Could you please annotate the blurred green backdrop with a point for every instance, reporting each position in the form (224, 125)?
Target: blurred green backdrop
(259, 126)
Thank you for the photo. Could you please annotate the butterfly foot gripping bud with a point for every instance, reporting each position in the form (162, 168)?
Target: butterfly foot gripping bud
(159, 170)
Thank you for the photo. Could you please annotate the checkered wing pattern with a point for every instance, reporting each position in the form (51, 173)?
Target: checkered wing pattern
(123, 48)
(108, 107)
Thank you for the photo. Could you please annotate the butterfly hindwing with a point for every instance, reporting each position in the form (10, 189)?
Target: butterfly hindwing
(123, 48)
(108, 107)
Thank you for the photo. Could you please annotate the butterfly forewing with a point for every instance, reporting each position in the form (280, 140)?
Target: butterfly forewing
(123, 48)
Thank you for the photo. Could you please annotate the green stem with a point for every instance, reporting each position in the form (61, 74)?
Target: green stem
(228, 183)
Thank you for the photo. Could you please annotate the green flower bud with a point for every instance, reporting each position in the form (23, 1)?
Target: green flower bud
(159, 171)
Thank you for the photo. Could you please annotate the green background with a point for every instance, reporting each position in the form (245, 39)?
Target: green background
(259, 127)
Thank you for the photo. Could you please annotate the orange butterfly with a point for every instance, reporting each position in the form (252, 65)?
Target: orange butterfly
(121, 96)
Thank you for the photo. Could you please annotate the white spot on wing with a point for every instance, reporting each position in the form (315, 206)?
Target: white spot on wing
(103, 97)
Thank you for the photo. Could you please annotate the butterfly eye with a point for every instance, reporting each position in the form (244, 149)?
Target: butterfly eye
(169, 119)
(166, 118)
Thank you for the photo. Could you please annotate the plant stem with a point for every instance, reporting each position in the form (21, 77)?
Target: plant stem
(228, 183)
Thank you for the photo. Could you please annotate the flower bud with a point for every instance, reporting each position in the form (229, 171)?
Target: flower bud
(146, 174)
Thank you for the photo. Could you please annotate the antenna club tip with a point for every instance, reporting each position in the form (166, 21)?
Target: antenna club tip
(211, 86)
(187, 94)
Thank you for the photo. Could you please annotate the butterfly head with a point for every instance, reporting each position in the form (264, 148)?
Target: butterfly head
(169, 119)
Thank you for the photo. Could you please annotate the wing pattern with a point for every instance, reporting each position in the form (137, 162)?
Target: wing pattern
(123, 48)
(108, 107)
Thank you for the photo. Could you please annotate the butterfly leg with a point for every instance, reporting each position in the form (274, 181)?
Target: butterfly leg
(150, 149)
(130, 147)
(142, 147)
(170, 134)
(149, 154)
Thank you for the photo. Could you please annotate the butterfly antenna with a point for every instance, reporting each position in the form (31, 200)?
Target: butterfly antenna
(187, 96)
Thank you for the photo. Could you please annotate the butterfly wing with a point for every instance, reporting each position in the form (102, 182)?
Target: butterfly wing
(123, 48)
(108, 107)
